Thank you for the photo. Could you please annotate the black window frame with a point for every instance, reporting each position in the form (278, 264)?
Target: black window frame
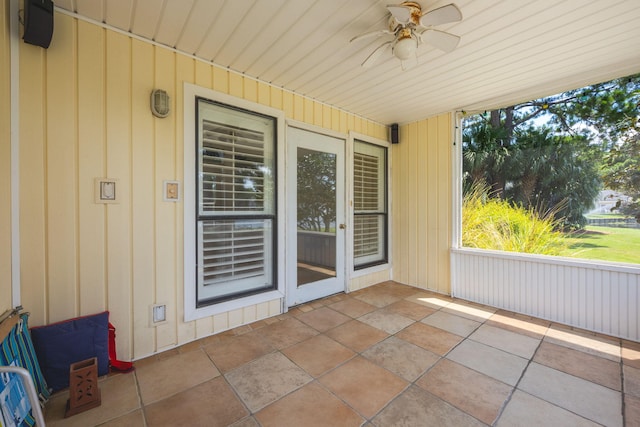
(235, 217)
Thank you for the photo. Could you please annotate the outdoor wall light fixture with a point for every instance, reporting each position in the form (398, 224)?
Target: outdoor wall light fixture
(160, 103)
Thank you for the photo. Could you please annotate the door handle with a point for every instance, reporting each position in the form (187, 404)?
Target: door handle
(342, 226)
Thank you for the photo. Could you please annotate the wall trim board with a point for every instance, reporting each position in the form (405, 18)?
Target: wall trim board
(14, 28)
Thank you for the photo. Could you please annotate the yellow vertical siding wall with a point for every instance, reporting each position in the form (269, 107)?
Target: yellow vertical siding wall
(85, 114)
(421, 197)
(5, 160)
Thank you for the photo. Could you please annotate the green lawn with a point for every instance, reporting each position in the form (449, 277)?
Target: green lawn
(605, 243)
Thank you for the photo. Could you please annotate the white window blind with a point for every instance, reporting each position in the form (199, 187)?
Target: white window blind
(369, 184)
(366, 182)
(366, 239)
(234, 256)
(232, 168)
(235, 202)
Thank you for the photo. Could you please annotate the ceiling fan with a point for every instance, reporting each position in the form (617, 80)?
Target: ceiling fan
(410, 28)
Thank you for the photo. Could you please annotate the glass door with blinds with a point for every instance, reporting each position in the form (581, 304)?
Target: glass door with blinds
(316, 215)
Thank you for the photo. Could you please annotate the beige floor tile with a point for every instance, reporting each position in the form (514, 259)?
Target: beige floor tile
(259, 324)
(287, 332)
(119, 396)
(631, 353)
(146, 361)
(497, 364)
(170, 376)
(429, 299)
(266, 379)
(323, 319)
(387, 321)
(452, 323)
(410, 309)
(471, 311)
(191, 346)
(356, 335)
(212, 403)
(528, 411)
(318, 355)
(318, 303)
(505, 340)
(401, 357)
(334, 298)
(377, 297)
(353, 307)
(365, 386)
(269, 368)
(589, 343)
(632, 410)
(521, 324)
(168, 354)
(304, 308)
(580, 364)
(466, 389)
(416, 407)
(631, 380)
(230, 353)
(309, 406)
(398, 289)
(132, 419)
(433, 339)
(587, 399)
(246, 422)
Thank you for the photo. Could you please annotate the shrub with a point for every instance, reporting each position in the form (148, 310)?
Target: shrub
(492, 223)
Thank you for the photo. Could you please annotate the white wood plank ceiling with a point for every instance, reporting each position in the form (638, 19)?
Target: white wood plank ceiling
(510, 50)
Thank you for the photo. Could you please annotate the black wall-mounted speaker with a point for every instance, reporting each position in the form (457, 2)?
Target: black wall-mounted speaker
(395, 136)
(38, 22)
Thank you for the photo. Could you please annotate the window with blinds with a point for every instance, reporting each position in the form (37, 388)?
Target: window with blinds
(235, 212)
(370, 205)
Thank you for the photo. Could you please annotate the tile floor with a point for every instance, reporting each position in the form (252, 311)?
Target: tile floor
(383, 356)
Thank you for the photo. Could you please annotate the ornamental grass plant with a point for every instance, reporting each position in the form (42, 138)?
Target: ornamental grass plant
(492, 223)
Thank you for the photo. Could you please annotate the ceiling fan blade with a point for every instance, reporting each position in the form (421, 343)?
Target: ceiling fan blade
(446, 42)
(370, 34)
(400, 12)
(371, 59)
(441, 15)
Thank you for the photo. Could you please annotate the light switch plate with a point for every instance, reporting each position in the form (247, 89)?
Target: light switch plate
(171, 191)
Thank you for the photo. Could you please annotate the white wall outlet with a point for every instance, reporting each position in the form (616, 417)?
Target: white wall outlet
(106, 190)
(158, 314)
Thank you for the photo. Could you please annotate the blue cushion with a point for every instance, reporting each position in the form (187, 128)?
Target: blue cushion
(60, 344)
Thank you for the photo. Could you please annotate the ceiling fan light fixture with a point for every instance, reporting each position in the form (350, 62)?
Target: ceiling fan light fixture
(405, 48)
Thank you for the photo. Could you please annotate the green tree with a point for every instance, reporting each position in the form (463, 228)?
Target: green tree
(536, 169)
(556, 166)
(621, 171)
(316, 190)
